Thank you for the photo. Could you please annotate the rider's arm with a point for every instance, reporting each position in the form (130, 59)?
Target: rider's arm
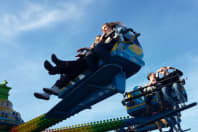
(83, 49)
(102, 38)
(169, 67)
(81, 52)
(174, 69)
(140, 88)
(92, 46)
(147, 87)
(157, 73)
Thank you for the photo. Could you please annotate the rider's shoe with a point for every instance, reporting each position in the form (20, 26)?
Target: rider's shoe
(52, 70)
(44, 96)
(56, 60)
(48, 66)
(54, 90)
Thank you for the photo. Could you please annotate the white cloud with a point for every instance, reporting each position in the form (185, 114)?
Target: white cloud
(37, 16)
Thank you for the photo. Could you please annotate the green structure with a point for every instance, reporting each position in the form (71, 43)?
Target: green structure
(98, 126)
(4, 90)
(8, 117)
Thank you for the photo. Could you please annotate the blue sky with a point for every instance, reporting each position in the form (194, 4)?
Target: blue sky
(30, 31)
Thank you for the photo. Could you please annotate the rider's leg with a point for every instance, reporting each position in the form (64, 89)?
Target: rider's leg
(53, 69)
(64, 79)
(103, 53)
(53, 90)
(158, 125)
(92, 61)
(166, 91)
(148, 102)
(160, 100)
(76, 67)
(58, 61)
(178, 91)
(178, 121)
(100, 51)
(172, 122)
(44, 96)
(73, 67)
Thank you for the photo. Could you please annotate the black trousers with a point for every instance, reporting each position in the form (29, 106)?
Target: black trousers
(64, 79)
(100, 51)
(69, 70)
(72, 68)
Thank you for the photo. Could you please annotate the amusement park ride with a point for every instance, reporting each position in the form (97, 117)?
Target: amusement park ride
(90, 88)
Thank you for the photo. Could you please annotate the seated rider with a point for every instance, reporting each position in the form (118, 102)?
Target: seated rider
(152, 85)
(65, 76)
(150, 89)
(98, 52)
(71, 69)
(90, 60)
(174, 86)
(102, 50)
